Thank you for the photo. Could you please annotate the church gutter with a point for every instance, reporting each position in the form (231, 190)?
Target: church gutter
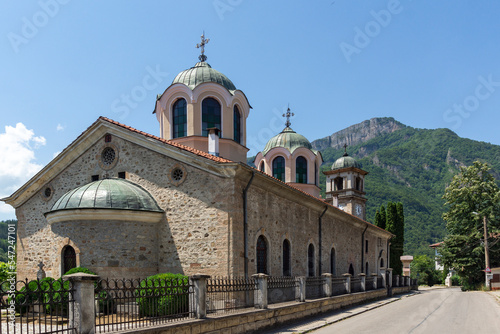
(363, 250)
(319, 236)
(245, 223)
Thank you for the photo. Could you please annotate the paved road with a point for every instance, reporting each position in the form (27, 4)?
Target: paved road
(431, 311)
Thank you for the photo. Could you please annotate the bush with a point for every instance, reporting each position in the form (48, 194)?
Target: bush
(47, 291)
(163, 294)
(80, 270)
(455, 280)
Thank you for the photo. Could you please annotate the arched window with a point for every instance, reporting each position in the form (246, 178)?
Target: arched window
(261, 255)
(359, 184)
(339, 183)
(286, 258)
(381, 263)
(279, 168)
(301, 170)
(333, 270)
(69, 259)
(210, 115)
(262, 167)
(310, 260)
(237, 124)
(351, 269)
(179, 119)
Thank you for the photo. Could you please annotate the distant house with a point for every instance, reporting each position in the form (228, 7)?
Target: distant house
(436, 246)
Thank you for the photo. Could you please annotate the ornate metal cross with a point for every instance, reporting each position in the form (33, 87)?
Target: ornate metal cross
(288, 114)
(204, 41)
(345, 149)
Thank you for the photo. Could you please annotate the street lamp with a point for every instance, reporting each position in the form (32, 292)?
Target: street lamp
(486, 250)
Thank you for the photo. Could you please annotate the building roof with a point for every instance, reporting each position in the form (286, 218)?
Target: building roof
(345, 161)
(170, 142)
(438, 244)
(288, 139)
(200, 73)
(108, 194)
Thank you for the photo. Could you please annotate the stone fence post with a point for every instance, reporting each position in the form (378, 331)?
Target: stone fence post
(363, 281)
(397, 280)
(374, 277)
(198, 304)
(383, 273)
(327, 285)
(300, 290)
(82, 314)
(260, 296)
(389, 283)
(347, 283)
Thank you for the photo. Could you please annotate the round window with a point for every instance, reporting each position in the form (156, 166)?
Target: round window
(108, 156)
(177, 174)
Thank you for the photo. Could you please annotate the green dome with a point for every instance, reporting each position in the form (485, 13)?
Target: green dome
(288, 139)
(345, 162)
(108, 194)
(200, 73)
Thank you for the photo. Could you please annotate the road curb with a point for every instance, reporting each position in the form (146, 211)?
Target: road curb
(347, 316)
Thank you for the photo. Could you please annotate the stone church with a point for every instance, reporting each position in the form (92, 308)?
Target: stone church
(125, 203)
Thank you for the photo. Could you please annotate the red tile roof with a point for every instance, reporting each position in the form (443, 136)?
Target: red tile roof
(220, 160)
(169, 142)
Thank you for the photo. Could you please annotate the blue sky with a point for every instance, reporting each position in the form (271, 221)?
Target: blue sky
(64, 63)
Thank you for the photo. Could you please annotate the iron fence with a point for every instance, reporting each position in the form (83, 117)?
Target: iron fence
(38, 306)
(314, 287)
(227, 294)
(131, 303)
(281, 289)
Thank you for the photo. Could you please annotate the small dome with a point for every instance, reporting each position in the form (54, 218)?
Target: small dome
(108, 194)
(200, 73)
(345, 162)
(288, 139)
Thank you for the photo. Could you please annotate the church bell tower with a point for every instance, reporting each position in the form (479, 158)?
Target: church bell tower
(345, 186)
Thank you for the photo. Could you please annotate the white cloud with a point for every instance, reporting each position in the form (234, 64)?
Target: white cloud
(17, 160)
(59, 127)
(55, 154)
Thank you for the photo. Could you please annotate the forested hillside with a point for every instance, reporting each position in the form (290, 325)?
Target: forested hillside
(412, 166)
(4, 244)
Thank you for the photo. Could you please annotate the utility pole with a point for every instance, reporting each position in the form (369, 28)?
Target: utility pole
(486, 252)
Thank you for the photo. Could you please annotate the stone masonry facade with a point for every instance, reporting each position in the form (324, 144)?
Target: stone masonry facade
(202, 227)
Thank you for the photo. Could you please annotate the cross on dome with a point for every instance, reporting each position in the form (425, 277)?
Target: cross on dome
(204, 41)
(345, 150)
(288, 114)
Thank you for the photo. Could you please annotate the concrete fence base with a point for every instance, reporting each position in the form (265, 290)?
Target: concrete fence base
(254, 320)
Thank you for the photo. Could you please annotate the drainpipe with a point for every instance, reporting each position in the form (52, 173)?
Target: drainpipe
(319, 236)
(245, 224)
(363, 251)
(388, 251)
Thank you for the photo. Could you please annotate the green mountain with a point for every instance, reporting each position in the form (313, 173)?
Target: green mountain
(407, 165)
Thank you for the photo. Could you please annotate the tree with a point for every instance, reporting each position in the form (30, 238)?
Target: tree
(471, 195)
(380, 217)
(395, 225)
(423, 268)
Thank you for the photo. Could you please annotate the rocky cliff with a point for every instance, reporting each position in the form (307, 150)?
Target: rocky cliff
(359, 133)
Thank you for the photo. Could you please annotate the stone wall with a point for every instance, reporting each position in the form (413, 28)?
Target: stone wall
(188, 240)
(278, 213)
(202, 230)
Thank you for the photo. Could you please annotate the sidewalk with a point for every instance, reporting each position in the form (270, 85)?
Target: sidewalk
(325, 319)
